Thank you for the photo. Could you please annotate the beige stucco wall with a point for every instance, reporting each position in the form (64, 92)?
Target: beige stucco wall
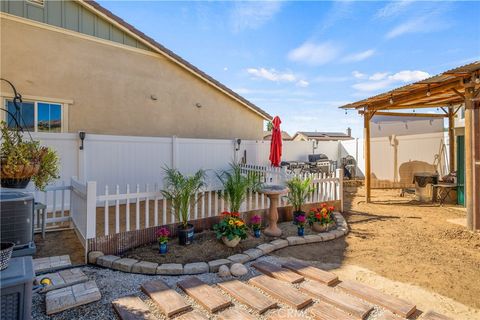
(111, 87)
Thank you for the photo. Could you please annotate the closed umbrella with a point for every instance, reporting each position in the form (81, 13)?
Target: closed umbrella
(276, 143)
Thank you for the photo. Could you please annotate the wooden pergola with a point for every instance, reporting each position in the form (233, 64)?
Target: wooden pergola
(448, 92)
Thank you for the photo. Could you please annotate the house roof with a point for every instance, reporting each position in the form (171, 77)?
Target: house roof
(267, 135)
(323, 134)
(442, 89)
(176, 58)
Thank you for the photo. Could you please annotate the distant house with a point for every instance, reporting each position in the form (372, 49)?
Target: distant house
(79, 67)
(267, 135)
(322, 136)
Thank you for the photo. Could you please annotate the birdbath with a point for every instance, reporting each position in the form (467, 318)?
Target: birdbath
(273, 192)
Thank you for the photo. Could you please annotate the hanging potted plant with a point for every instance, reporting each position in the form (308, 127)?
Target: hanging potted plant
(256, 223)
(231, 229)
(321, 219)
(22, 161)
(162, 236)
(180, 191)
(299, 191)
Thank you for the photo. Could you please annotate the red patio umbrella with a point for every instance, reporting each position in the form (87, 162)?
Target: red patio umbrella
(276, 143)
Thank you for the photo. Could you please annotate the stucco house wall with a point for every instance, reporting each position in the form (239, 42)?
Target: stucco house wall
(110, 86)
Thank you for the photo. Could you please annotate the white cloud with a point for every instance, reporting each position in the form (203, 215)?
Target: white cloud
(359, 56)
(330, 79)
(225, 68)
(277, 76)
(272, 75)
(378, 76)
(314, 53)
(393, 8)
(358, 74)
(253, 14)
(303, 83)
(382, 80)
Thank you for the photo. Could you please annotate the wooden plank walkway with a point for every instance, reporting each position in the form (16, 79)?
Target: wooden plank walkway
(396, 305)
(432, 315)
(168, 300)
(192, 315)
(285, 315)
(235, 314)
(248, 295)
(132, 308)
(211, 298)
(358, 309)
(281, 291)
(312, 273)
(325, 311)
(277, 272)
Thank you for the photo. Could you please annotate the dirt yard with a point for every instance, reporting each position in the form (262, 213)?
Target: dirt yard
(404, 241)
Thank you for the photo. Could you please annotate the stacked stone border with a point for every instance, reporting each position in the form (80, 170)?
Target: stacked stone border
(146, 267)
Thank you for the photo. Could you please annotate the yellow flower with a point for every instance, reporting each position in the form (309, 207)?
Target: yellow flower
(239, 223)
(230, 222)
(324, 210)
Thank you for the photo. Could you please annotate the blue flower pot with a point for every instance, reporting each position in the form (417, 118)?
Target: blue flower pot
(301, 232)
(256, 233)
(163, 248)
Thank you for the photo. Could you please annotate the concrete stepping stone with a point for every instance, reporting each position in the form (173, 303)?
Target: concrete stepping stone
(281, 291)
(62, 279)
(167, 299)
(235, 314)
(248, 295)
(277, 272)
(312, 273)
(70, 297)
(432, 315)
(285, 315)
(387, 315)
(358, 309)
(51, 263)
(209, 297)
(132, 308)
(394, 304)
(325, 311)
(193, 315)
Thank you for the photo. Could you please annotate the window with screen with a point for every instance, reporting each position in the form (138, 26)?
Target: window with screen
(25, 115)
(49, 117)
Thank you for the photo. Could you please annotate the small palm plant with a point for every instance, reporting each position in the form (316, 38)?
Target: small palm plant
(299, 191)
(236, 186)
(180, 189)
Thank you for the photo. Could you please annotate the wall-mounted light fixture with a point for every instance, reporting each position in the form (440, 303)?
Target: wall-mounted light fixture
(238, 142)
(81, 135)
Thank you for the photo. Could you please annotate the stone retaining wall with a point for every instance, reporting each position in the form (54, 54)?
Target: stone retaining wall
(146, 267)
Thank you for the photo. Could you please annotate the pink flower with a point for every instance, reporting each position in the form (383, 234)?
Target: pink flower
(256, 219)
(301, 218)
(162, 232)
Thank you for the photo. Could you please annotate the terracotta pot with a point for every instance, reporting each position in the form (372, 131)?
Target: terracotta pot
(317, 227)
(231, 243)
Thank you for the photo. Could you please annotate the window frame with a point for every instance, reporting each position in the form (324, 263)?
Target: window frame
(63, 113)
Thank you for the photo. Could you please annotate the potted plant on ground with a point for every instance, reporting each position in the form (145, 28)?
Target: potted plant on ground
(235, 189)
(297, 196)
(256, 223)
(162, 236)
(22, 161)
(231, 229)
(180, 190)
(321, 219)
(301, 220)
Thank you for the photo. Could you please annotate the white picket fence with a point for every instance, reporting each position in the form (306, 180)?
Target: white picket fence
(97, 213)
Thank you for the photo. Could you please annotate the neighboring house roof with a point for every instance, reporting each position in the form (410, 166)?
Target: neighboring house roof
(179, 60)
(267, 135)
(323, 135)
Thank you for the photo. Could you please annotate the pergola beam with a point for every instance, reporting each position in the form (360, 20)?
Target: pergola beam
(402, 114)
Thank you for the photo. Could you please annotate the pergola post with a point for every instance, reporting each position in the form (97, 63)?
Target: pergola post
(472, 159)
(451, 138)
(366, 134)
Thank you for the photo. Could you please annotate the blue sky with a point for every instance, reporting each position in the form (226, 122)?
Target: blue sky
(301, 60)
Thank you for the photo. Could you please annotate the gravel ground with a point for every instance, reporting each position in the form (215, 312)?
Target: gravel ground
(115, 284)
